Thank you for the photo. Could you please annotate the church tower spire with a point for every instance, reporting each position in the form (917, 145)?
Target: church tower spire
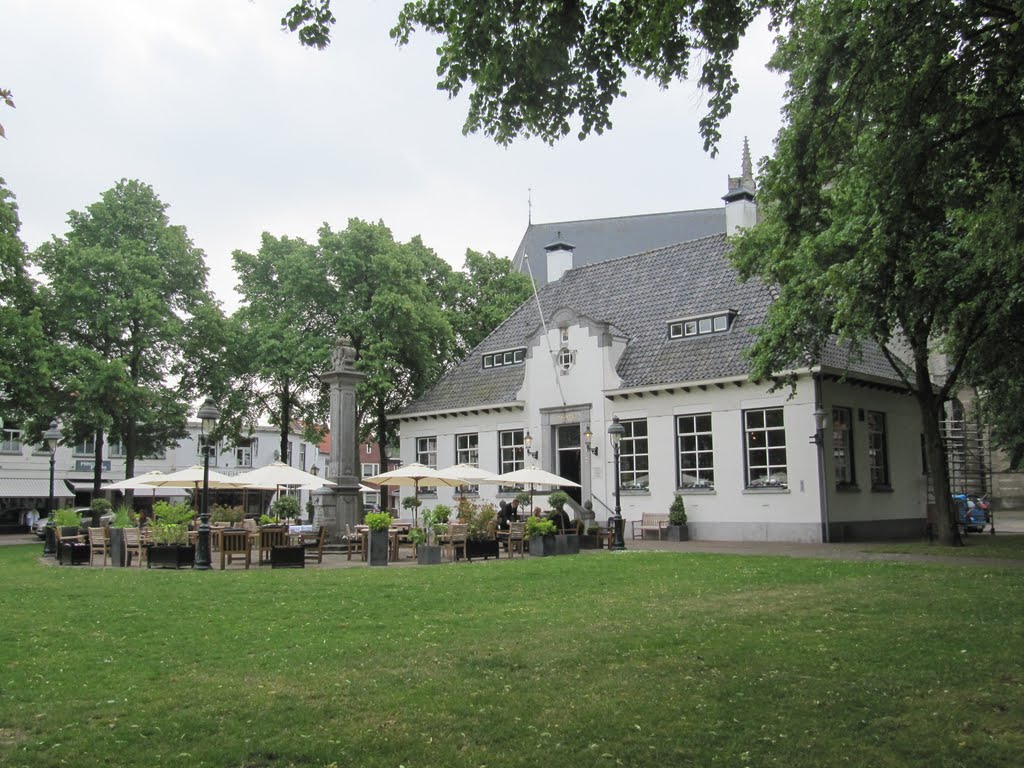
(740, 208)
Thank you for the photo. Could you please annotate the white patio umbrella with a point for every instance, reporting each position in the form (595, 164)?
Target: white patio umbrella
(192, 478)
(533, 476)
(414, 474)
(138, 483)
(280, 474)
(472, 475)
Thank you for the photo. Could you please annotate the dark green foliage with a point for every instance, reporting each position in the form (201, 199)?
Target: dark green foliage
(124, 287)
(677, 511)
(892, 205)
(285, 507)
(534, 69)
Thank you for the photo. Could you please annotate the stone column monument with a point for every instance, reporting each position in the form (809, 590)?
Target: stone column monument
(341, 504)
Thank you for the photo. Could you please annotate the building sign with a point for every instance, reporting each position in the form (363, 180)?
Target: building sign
(88, 465)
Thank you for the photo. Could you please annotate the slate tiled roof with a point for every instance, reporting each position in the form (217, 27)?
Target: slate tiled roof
(600, 239)
(638, 295)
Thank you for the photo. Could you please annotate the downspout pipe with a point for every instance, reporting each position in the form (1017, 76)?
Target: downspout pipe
(822, 490)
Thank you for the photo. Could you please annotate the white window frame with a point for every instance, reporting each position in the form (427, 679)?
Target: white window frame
(467, 451)
(634, 456)
(842, 446)
(764, 448)
(695, 441)
(511, 454)
(878, 451)
(426, 453)
(13, 439)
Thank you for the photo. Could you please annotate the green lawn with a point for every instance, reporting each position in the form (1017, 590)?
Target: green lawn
(632, 659)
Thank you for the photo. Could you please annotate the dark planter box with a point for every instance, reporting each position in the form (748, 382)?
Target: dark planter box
(73, 553)
(542, 546)
(485, 549)
(428, 554)
(378, 549)
(117, 551)
(678, 533)
(590, 541)
(287, 557)
(170, 555)
(567, 544)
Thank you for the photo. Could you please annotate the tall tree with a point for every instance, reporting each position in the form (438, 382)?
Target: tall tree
(892, 206)
(281, 343)
(24, 371)
(531, 67)
(388, 298)
(123, 287)
(484, 294)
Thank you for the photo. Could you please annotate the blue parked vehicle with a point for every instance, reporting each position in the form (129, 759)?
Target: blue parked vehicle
(970, 514)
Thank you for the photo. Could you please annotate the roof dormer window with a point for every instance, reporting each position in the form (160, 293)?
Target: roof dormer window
(703, 325)
(505, 357)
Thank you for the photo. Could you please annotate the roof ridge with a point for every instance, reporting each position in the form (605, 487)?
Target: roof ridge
(618, 218)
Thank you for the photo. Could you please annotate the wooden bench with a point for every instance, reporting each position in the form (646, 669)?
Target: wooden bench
(650, 521)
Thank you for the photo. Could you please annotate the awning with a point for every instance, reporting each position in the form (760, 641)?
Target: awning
(32, 488)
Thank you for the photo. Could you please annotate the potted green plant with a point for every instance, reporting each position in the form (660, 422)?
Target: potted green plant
(122, 519)
(590, 539)
(567, 540)
(68, 525)
(310, 511)
(428, 551)
(540, 535)
(481, 522)
(285, 508)
(677, 528)
(170, 547)
(411, 503)
(377, 549)
(525, 504)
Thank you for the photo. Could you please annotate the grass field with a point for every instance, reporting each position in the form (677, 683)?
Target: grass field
(631, 659)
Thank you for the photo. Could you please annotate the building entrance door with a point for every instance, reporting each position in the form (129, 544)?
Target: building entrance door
(570, 458)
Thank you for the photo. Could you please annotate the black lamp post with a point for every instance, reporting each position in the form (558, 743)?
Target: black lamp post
(208, 415)
(51, 437)
(615, 432)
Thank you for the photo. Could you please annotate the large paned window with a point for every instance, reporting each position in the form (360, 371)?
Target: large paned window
(201, 442)
(369, 470)
(878, 456)
(244, 451)
(11, 440)
(467, 451)
(116, 450)
(695, 449)
(426, 454)
(765, 441)
(510, 454)
(842, 445)
(634, 458)
(85, 447)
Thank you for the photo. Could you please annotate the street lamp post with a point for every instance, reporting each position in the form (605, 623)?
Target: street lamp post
(615, 432)
(208, 415)
(51, 437)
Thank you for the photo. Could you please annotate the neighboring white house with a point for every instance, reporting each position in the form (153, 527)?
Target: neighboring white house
(657, 339)
(25, 469)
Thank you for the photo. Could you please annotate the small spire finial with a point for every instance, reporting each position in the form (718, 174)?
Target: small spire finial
(529, 205)
(748, 167)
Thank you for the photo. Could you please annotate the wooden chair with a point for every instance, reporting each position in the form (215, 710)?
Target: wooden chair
(271, 536)
(516, 537)
(235, 543)
(133, 544)
(457, 536)
(314, 545)
(353, 543)
(98, 544)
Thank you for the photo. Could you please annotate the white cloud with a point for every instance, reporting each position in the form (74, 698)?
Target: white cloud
(241, 130)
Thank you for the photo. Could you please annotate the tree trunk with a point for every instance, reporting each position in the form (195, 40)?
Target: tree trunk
(97, 469)
(941, 517)
(286, 419)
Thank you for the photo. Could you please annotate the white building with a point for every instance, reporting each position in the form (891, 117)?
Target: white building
(657, 339)
(25, 469)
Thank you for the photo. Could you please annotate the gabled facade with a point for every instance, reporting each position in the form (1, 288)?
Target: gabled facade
(658, 339)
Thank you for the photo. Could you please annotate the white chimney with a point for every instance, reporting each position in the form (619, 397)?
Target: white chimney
(740, 207)
(559, 258)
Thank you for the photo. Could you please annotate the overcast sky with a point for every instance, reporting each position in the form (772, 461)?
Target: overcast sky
(240, 130)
